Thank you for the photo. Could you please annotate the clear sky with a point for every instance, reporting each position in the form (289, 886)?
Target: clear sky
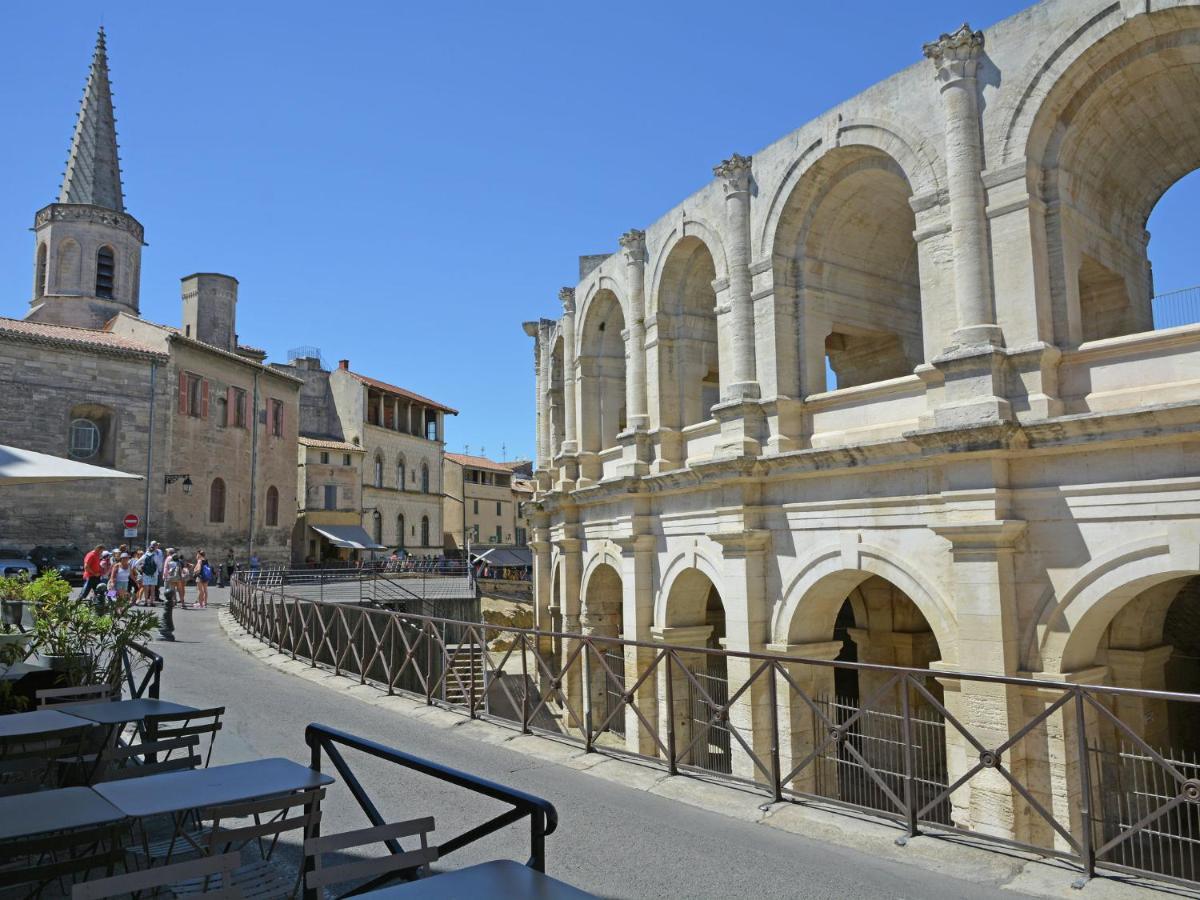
(402, 184)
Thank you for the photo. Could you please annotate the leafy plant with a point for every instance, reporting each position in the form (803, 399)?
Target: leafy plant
(12, 593)
(88, 643)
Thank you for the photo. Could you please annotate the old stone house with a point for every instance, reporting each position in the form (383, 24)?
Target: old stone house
(484, 501)
(85, 376)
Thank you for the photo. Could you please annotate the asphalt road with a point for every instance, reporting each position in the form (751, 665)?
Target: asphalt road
(611, 840)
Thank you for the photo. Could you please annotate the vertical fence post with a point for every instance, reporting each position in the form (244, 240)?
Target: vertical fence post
(1087, 851)
(428, 663)
(586, 697)
(671, 765)
(524, 685)
(773, 693)
(910, 795)
(472, 637)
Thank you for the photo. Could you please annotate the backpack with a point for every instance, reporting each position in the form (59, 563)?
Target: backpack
(206, 572)
(149, 566)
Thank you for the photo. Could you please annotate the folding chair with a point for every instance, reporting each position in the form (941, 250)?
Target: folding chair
(198, 723)
(236, 826)
(30, 864)
(213, 872)
(379, 869)
(148, 758)
(30, 762)
(65, 697)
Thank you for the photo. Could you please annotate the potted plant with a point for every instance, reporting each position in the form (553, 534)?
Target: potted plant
(77, 640)
(12, 597)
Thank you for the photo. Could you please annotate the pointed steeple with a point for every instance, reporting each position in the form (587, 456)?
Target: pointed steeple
(93, 173)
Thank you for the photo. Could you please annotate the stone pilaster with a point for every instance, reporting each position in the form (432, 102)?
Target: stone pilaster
(637, 619)
(571, 552)
(570, 446)
(799, 733)
(674, 707)
(956, 60)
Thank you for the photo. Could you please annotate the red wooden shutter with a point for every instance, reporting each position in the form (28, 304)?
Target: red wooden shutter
(204, 398)
(183, 393)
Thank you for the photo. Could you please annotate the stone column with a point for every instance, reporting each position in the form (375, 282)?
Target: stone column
(735, 176)
(676, 715)
(570, 445)
(956, 59)
(800, 732)
(540, 545)
(571, 552)
(1145, 669)
(637, 618)
(540, 395)
(633, 247)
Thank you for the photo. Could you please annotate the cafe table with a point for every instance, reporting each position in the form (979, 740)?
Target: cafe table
(37, 812)
(497, 880)
(172, 792)
(119, 712)
(39, 721)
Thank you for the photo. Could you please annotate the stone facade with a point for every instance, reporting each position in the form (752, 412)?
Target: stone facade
(1003, 477)
(481, 501)
(329, 490)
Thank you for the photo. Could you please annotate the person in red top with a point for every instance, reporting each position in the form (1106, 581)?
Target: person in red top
(92, 572)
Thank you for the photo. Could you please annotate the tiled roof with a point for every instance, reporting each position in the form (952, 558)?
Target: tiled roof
(478, 462)
(392, 389)
(323, 444)
(65, 335)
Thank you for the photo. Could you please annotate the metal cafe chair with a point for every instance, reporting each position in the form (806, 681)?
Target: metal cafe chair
(148, 758)
(197, 723)
(215, 874)
(30, 762)
(29, 865)
(237, 826)
(64, 697)
(379, 869)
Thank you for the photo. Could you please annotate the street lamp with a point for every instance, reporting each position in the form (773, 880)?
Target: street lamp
(171, 479)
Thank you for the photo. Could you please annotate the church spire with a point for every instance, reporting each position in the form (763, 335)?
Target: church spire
(93, 173)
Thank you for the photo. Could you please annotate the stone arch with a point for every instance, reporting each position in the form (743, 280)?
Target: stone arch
(597, 288)
(814, 595)
(668, 612)
(844, 251)
(68, 266)
(601, 362)
(687, 347)
(1107, 124)
(1072, 622)
(689, 227)
(601, 600)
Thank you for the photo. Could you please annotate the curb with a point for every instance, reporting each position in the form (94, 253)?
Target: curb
(954, 856)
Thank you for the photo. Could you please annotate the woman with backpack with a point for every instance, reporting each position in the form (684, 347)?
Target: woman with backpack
(204, 574)
(175, 576)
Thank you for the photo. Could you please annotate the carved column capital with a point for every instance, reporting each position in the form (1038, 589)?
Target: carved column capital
(735, 173)
(633, 246)
(956, 56)
(566, 296)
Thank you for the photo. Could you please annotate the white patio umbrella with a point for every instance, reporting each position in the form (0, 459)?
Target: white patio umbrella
(19, 466)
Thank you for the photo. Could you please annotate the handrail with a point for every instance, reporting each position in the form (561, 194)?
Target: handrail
(542, 814)
(153, 677)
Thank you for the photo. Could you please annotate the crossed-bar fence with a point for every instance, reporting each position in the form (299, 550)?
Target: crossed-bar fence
(793, 746)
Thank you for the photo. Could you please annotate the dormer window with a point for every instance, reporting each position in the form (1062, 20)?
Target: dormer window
(105, 270)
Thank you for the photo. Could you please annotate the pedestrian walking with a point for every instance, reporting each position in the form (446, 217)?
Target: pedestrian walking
(204, 574)
(120, 582)
(92, 572)
(255, 565)
(175, 576)
(160, 558)
(148, 571)
(228, 569)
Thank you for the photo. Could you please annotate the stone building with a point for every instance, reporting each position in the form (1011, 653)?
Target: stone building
(400, 436)
(329, 489)
(482, 501)
(1001, 476)
(85, 376)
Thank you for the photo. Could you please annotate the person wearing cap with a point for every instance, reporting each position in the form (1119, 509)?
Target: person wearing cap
(92, 572)
(121, 577)
(175, 576)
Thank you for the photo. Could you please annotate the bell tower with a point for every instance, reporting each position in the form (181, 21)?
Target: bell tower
(88, 249)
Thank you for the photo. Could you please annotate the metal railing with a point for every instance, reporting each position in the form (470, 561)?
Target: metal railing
(1176, 308)
(142, 669)
(426, 588)
(784, 734)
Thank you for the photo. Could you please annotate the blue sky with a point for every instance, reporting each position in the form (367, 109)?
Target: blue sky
(403, 184)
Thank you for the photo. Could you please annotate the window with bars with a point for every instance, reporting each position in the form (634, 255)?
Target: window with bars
(106, 267)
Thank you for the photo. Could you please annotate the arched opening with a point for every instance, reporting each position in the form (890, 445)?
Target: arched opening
(424, 478)
(68, 260)
(1118, 128)
(39, 278)
(272, 506)
(106, 272)
(696, 616)
(1175, 279)
(216, 501)
(602, 373)
(377, 527)
(601, 617)
(91, 436)
(400, 531)
(689, 376)
(378, 480)
(845, 250)
(400, 473)
(424, 531)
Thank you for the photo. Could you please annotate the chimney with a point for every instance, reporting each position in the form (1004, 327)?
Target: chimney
(344, 364)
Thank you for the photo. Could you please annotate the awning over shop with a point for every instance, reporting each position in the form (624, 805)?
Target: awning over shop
(350, 537)
(506, 557)
(19, 466)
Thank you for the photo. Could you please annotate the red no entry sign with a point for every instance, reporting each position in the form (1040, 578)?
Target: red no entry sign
(131, 520)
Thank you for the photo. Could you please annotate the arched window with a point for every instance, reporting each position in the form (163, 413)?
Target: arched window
(424, 531)
(39, 286)
(272, 512)
(400, 474)
(400, 530)
(84, 441)
(216, 501)
(378, 470)
(106, 267)
(424, 478)
(378, 529)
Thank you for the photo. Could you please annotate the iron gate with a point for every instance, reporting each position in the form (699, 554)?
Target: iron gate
(614, 691)
(710, 740)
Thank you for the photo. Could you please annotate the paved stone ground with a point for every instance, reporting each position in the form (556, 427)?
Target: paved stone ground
(625, 830)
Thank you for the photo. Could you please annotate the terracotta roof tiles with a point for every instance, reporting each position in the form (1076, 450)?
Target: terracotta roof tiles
(66, 335)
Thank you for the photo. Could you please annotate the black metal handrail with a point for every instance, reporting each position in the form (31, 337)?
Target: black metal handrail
(151, 679)
(543, 817)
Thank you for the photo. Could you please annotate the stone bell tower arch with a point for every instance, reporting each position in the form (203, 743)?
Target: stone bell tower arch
(88, 250)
